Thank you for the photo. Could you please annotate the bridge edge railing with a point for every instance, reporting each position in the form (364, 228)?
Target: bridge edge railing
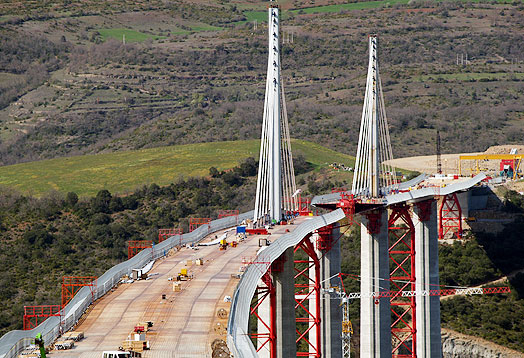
(238, 339)
(13, 342)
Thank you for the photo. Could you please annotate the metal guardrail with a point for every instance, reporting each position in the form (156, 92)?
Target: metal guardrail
(13, 342)
(238, 339)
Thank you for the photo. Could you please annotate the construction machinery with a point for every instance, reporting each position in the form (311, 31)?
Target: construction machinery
(509, 163)
(337, 292)
(223, 244)
(183, 275)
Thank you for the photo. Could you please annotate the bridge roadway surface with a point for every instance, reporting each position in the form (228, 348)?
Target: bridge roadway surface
(184, 321)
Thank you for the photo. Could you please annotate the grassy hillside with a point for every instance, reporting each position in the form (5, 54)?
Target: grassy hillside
(124, 171)
(194, 71)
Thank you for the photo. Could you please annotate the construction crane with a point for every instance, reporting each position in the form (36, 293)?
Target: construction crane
(439, 162)
(512, 160)
(444, 292)
(338, 292)
(347, 328)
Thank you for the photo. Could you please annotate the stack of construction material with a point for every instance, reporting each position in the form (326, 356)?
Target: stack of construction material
(137, 346)
(30, 352)
(143, 326)
(136, 341)
(60, 345)
(73, 336)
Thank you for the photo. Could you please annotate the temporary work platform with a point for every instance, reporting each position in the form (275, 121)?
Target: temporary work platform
(34, 315)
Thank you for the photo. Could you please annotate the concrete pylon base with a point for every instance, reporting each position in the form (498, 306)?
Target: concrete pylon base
(426, 266)
(331, 310)
(375, 314)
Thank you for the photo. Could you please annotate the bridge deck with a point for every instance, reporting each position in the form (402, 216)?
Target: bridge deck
(184, 322)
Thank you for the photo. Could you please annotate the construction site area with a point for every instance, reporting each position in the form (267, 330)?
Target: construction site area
(179, 308)
(268, 283)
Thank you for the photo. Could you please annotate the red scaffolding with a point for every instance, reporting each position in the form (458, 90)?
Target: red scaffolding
(72, 284)
(304, 206)
(307, 289)
(450, 217)
(402, 278)
(347, 204)
(195, 223)
(325, 238)
(164, 234)
(33, 314)
(265, 291)
(135, 246)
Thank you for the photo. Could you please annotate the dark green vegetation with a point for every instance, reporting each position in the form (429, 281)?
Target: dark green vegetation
(68, 86)
(43, 239)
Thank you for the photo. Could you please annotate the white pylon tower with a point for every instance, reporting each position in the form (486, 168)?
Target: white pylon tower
(372, 174)
(276, 176)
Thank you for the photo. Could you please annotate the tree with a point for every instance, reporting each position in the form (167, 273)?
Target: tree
(71, 199)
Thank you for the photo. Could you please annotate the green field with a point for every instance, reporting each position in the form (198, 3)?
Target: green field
(205, 27)
(261, 16)
(124, 171)
(131, 35)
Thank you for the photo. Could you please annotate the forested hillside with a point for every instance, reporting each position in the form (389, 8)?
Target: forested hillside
(42, 240)
(105, 76)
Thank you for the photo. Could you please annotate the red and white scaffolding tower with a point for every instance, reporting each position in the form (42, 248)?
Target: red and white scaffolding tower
(135, 246)
(72, 284)
(450, 217)
(307, 299)
(34, 315)
(195, 223)
(402, 278)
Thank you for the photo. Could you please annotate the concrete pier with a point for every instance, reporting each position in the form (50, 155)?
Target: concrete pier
(285, 307)
(331, 310)
(428, 343)
(375, 314)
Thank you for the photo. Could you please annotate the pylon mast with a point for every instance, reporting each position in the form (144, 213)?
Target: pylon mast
(276, 177)
(372, 171)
